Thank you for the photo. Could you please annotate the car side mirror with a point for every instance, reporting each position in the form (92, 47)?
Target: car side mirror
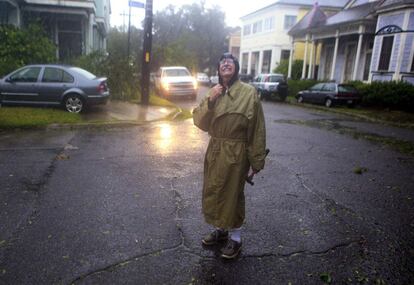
(8, 79)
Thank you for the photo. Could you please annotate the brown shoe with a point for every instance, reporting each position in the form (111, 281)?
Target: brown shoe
(215, 237)
(231, 249)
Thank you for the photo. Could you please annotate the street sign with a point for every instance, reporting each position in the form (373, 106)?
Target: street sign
(136, 4)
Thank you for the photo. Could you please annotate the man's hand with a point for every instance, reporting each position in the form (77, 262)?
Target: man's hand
(215, 93)
(252, 172)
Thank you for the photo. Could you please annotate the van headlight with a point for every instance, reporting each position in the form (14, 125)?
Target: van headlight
(195, 84)
(165, 85)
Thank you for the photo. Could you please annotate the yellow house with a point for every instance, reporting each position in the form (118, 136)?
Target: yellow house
(264, 39)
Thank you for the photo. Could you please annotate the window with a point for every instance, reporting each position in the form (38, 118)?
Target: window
(329, 87)
(412, 65)
(257, 27)
(29, 74)
(290, 21)
(269, 24)
(317, 87)
(267, 56)
(247, 30)
(56, 75)
(386, 50)
(285, 54)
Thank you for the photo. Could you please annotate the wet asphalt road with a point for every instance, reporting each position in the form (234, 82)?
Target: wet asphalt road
(122, 206)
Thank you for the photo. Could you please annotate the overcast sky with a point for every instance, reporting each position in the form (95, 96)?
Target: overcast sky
(234, 9)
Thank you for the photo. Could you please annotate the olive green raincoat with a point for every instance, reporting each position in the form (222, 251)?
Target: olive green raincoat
(237, 141)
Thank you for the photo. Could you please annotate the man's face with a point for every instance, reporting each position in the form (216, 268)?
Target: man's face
(227, 68)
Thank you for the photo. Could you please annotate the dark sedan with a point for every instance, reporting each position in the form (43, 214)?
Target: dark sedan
(71, 87)
(330, 94)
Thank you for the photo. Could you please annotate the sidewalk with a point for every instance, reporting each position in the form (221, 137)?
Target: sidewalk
(115, 111)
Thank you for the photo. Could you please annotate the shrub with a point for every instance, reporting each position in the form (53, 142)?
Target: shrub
(294, 86)
(19, 47)
(398, 95)
(283, 68)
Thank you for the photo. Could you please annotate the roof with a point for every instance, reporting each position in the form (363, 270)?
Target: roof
(338, 4)
(352, 14)
(312, 19)
(395, 4)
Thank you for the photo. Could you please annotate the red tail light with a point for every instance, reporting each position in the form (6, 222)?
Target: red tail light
(102, 87)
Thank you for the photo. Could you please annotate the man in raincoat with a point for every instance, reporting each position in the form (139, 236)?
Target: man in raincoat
(232, 115)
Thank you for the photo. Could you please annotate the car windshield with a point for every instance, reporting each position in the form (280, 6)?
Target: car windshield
(346, 88)
(275, 78)
(176, 72)
(83, 72)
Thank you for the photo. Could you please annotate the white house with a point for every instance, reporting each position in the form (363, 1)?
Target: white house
(264, 38)
(76, 26)
(368, 40)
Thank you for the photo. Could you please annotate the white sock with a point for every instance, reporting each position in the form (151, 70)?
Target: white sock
(235, 234)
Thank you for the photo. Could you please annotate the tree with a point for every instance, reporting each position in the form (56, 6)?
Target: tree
(19, 47)
(191, 35)
(283, 68)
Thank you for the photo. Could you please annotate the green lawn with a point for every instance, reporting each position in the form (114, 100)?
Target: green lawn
(26, 117)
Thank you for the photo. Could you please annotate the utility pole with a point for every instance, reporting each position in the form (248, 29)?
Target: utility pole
(129, 33)
(146, 53)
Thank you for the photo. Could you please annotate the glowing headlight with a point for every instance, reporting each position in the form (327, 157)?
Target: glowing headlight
(165, 84)
(195, 83)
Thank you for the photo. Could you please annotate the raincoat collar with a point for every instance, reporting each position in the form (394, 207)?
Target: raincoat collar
(234, 89)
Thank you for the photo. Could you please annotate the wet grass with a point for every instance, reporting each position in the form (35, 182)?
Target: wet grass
(27, 117)
(402, 146)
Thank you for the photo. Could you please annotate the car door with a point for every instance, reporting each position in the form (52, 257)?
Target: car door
(328, 91)
(55, 81)
(22, 86)
(314, 93)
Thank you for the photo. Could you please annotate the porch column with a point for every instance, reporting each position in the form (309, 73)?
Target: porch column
(402, 45)
(311, 60)
(260, 62)
(249, 62)
(305, 58)
(292, 46)
(335, 55)
(358, 54)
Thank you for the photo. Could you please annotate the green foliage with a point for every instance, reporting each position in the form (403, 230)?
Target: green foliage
(396, 95)
(19, 47)
(192, 36)
(24, 117)
(283, 68)
(294, 86)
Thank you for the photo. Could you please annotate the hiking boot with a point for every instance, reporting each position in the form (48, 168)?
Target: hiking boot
(231, 249)
(215, 237)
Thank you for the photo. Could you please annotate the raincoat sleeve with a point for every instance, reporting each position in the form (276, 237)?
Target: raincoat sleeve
(256, 148)
(202, 115)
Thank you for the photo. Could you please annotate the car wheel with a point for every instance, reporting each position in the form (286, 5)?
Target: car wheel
(74, 103)
(300, 99)
(328, 103)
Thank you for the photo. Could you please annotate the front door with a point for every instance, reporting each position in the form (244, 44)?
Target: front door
(350, 54)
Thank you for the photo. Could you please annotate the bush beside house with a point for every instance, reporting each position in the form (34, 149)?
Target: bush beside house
(19, 47)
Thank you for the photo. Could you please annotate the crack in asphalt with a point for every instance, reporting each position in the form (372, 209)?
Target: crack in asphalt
(307, 252)
(35, 188)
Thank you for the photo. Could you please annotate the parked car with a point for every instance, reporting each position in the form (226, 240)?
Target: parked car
(214, 80)
(203, 79)
(271, 86)
(245, 77)
(175, 81)
(46, 84)
(330, 94)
